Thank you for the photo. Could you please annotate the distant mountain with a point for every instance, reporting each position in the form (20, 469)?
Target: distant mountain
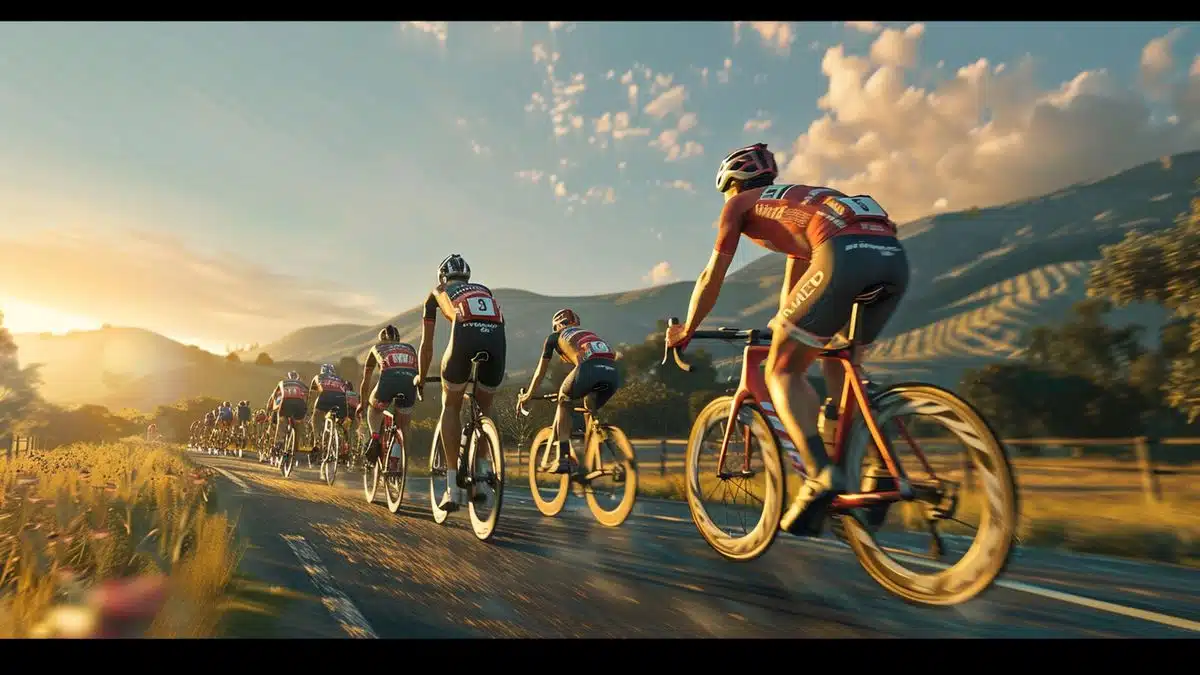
(979, 278)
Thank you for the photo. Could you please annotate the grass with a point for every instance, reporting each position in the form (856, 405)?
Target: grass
(76, 517)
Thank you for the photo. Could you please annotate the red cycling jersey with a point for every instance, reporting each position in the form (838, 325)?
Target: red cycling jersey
(796, 219)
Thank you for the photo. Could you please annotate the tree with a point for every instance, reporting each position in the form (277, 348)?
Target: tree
(517, 428)
(18, 386)
(1161, 267)
(232, 357)
(645, 361)
(263, 359)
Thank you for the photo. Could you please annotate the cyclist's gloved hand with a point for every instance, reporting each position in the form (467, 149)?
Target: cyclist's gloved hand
(678, 337)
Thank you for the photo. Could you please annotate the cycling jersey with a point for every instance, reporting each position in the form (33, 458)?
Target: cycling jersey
(244, 413)
(796, 219)
(224, 413)
(328, 384)
(393, 356)
(476, 325)
(290, 389)
(576, 345)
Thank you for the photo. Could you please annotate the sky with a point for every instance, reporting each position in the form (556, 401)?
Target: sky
(226, 183)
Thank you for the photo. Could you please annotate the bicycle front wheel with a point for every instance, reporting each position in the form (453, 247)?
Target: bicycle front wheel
(541, 462)
(437, 475)
(611, 454)
(989, 551)
(752, 469)
(487, 479)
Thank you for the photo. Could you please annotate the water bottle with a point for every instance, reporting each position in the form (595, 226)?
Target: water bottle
(827, 422)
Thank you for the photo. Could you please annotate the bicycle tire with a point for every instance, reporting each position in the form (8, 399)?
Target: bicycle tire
(624, 451)
(758, 540)
(990, 551)
(493, 483)
(393, 486)
(551, 507)
(333, 447)
(438, 464)
(288, 460)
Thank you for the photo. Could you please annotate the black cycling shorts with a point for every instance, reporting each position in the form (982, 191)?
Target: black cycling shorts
(842, 268)
(598, 378)
(395, 386)
(244, 415)
(292, 408)
(330, 400)
(468, 339)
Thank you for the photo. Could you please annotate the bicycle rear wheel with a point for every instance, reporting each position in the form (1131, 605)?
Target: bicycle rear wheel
(614, 456)
(288, 460)
(991, 548)
(393, 483)
(486, 462)
(437, 475)
(541, 462)
(744, 541)
(333, 447)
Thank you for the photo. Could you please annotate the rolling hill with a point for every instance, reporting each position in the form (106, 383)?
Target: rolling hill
(979, 278)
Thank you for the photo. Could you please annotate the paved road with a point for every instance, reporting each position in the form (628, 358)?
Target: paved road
(361, 571)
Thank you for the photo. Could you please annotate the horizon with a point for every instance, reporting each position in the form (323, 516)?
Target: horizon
(214, 225)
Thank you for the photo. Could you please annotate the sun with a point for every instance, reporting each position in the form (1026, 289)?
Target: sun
(26, 317)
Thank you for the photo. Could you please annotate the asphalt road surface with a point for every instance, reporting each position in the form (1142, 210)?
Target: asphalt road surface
(357, 570)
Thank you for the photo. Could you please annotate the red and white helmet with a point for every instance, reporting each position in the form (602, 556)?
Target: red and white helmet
(746, 164)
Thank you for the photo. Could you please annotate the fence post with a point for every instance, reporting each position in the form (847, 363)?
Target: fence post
(1150, 486)
(662, 457)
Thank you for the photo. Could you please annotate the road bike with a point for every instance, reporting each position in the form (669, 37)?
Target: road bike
(861, 448)
(287, 458)
(392, 446)
(239, 439)
(333, 445)
(608, 453)
(480, 469)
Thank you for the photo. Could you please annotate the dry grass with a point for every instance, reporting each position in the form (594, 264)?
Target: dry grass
(76, 517)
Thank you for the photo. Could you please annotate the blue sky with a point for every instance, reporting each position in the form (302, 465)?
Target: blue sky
(280, 175)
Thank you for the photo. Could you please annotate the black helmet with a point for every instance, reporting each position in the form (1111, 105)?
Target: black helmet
(563, 318)
(454, 267)
(389, 334)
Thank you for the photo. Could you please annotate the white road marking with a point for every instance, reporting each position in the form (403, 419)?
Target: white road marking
(236, 481)
(337, 602)
(1022, 587)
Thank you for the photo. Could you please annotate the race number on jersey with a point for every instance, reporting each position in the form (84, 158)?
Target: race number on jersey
(398, 357)
(478, 306)
(294, 391)
(332, 385)
(863, 206)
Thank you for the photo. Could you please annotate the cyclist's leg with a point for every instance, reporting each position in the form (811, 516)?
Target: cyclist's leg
(402, 410)
(491, 372)
(574, 386)
(456, 368)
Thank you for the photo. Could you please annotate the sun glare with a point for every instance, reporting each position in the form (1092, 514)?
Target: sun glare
(24, 317)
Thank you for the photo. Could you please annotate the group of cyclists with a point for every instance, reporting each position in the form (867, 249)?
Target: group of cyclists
(837, 247)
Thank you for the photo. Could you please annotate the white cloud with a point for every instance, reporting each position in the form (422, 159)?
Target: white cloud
(620, 166)
(678, 184)
(897, 48)
(670, 101)
(610, 74)
(661, 82)
(480, 149)
(440, 30)
(757, 125)
(869, 27)
(622, 128)
(976, 138)
(659, 274)
(1158, 62)
(627, 78)
(776, 36)
(633, 96)
(686, 121)
(723, 73)
(668, 142)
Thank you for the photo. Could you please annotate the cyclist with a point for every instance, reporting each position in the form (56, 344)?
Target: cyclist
(397, 363)
(225, 416)
(476, 325)
(289, 399)
(331, 395)
(243, 416)
(260, 422)
(594, 364)
(210, 419)
(837, 247)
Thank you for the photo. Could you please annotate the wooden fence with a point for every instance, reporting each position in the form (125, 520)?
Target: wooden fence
(22, 444)
(671, 454)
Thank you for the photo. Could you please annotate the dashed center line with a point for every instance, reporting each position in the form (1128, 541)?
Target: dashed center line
(344, 611)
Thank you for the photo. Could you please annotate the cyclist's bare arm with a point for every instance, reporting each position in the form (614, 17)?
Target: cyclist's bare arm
(368, 370)
(708, 284)
(428, 321)
(544, 364)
